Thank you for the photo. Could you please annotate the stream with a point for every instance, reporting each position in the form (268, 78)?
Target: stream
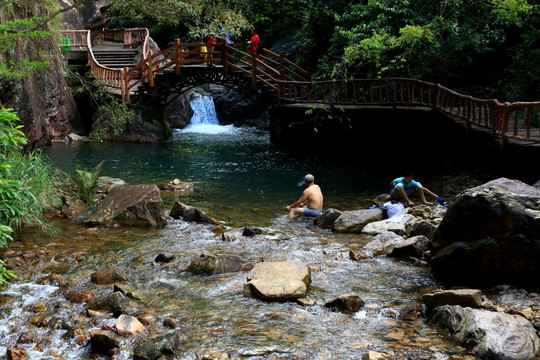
(240, 179)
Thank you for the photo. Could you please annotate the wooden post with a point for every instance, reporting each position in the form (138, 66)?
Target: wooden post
(151, 68)
(254, 70)
(177, 56)
(225, 54)
(504, 126)
(438, 97)
(281, 66)
(126, 84)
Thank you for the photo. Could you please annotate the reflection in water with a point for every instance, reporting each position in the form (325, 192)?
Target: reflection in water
(239, 178)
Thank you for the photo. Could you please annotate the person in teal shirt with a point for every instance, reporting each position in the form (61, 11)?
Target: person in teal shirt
(405, 186)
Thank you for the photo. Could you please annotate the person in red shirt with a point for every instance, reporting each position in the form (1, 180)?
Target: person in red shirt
(254, 43)
(210, 41)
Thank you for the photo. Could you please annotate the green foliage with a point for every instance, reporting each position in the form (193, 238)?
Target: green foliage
(464, 42)
(199, 16)
(11, 137)
(12, 32)
(5, 274)
(86, 181)
(107, 104)
(27, 184)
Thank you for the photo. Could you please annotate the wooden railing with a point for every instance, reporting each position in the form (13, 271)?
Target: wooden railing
(266, 69)
(73, 38)
(518, 121)
(293, 84)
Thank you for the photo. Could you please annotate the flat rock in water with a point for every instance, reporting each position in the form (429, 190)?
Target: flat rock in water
(130, 205)
(462, 297)
(278, 281)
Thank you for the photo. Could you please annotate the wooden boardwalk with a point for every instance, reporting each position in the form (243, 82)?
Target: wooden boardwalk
(292, 85)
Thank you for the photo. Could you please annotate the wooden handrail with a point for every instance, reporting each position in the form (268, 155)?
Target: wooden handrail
(293, 84)
(73, 38)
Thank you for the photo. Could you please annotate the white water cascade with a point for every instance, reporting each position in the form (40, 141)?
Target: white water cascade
(204, 119)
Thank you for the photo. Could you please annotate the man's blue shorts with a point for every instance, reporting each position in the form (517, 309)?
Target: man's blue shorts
(312, 212)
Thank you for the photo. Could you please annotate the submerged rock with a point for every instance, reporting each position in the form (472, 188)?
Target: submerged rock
(164, 257)
(251, 231)
(492, 335)
(278, 281)
(189, 213)
(104, 342)
(209, 264)
(131, 205)
(348, 303)
(114, 303)
(153, 347)
(109, 274)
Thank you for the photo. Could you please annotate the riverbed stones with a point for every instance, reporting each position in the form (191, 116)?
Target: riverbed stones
(104, 342)
(189, 213)
(490, 235)
(420, 227)
(348, 303)
(128, 325)
(278, 281)
(114, 303)
(16, 354)
(251, 231)
(414, 247)
(397, 225)
(210, 264)
(109, 274)
(164, 257)
(383, 243)
(327, 219)
(492, 335)
(354, 221)
(373, 355)
(462, 297)
(130, 205)
(154, 346)
(358, 255)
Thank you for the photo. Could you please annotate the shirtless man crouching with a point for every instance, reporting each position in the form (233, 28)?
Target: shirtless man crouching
(311, 201)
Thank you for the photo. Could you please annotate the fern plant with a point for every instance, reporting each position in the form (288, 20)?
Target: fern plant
(86, 181)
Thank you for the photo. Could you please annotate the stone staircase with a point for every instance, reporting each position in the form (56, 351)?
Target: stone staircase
(115, 55)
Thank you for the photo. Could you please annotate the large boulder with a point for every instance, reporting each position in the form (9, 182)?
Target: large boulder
(490, 235)
(278, 281)
(354, 221)
(131, 205)
(189, 213)
(492, 335)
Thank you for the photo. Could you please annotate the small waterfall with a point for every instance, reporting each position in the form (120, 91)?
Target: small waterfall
(204, 119)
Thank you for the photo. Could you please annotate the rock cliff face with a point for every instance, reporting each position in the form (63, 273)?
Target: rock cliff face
(43, 100)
